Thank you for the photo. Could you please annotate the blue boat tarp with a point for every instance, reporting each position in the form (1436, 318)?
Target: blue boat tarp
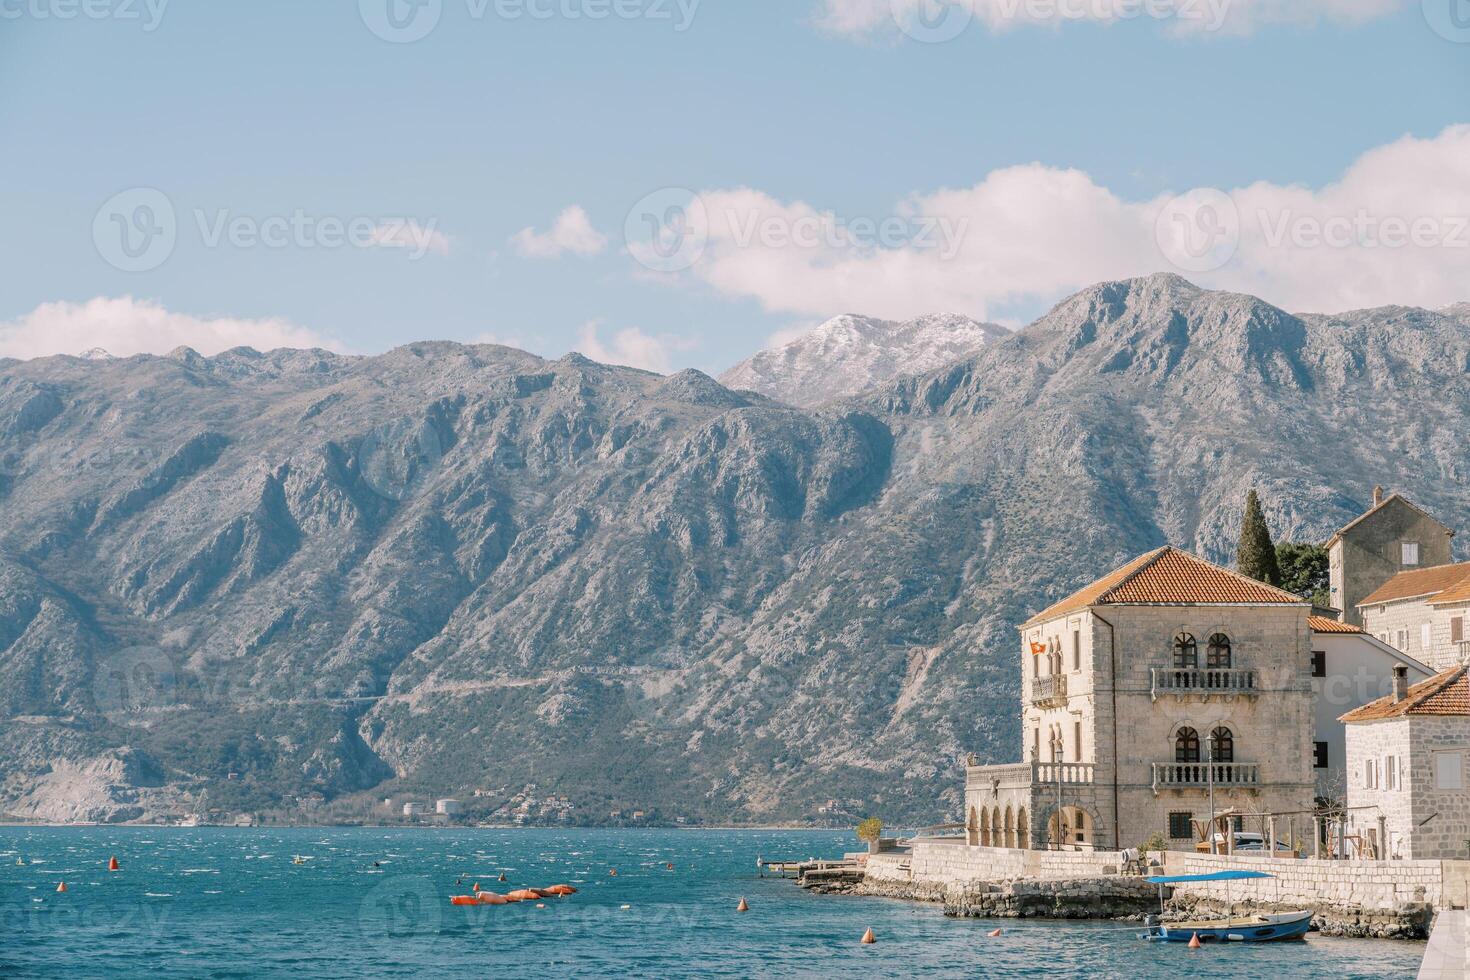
(1212, 876)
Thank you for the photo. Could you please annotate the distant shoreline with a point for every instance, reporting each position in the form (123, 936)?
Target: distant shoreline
(8, 824)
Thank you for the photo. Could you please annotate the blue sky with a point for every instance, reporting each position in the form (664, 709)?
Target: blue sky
(490, 125)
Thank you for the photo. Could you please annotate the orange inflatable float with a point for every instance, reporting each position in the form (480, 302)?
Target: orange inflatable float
(490, 898)
(524, 895)
(463, 900)
(559, 890)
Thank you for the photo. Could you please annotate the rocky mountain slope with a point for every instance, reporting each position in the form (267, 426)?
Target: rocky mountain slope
(449, 568)
(850, 354)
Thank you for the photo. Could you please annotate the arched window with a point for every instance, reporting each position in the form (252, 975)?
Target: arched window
(1186, 651)
(1218, 654)
(1224, 744)
(1186, 745)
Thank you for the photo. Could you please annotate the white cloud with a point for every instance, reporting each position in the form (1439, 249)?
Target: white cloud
(409, 234)
(125, 326)
(571, 232)
(1392, 230)
(941, 20)
(633, 348)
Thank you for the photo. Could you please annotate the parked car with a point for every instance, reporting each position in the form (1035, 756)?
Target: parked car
(1246, 841)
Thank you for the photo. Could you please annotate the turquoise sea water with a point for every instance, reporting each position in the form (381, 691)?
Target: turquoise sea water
(216, 902)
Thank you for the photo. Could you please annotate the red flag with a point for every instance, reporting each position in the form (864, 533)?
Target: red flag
(1038, 648)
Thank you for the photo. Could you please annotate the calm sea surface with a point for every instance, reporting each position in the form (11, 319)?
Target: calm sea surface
(215, 902)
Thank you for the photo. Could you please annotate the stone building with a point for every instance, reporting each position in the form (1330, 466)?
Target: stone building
(1409, 769)
(1391, 537)
(1422, 613)
(1350, 668)
(1128, 684)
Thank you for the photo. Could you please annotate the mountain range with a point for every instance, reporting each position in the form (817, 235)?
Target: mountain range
(301, 579)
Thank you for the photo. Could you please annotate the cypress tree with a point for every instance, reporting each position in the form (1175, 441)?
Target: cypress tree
(1256, 557)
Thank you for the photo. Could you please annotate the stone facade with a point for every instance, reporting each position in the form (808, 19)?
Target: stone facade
(1103, 709)
(1409, 784)
(1392, 536)
(1436, 634)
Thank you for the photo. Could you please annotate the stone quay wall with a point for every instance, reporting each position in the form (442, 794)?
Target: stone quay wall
(1391, 899)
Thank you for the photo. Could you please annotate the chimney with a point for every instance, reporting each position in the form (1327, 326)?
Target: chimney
(1377, 496)
(1400, 683)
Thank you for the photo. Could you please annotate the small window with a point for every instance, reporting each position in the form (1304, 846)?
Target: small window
(1319, 755)
(1076, 649)
(1391, 772)
(1411, 553)
(1457, 629)
(1077, 732)
(1426, 637)
(1319, 663)
(1370, 773)
(1186, 745)
(1224, 745)
(1181, 826)
(1218, 655)
(1404, 640)
(1186, 652)
(1449, 770)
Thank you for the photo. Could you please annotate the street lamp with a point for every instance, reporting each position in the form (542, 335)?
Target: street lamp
(1210, 777)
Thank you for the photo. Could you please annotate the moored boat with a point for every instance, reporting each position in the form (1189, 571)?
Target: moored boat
(1263, 928)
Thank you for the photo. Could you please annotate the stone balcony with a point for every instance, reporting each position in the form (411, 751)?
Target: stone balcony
(1023, 775)
(1199, 775)
(1205, 682)
(1049, 692)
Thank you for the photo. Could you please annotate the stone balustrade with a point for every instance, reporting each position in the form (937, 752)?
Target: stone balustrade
(1204, 681)
(1195, 775)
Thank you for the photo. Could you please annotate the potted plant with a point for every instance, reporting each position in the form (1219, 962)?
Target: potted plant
(870, 831)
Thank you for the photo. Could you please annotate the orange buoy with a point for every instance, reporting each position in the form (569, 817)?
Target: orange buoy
(670, 866)
(1194, 942)
(993, 933)
(61, 887)
(614, 872)
(475, 888)
(869, 938)
(742, 907)
(112, 864)
(463, 900)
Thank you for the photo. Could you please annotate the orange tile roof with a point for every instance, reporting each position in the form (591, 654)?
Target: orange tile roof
(1418, 582)
(1169, 576)
(1447, 693)
(1321, 624)
(1455, 593)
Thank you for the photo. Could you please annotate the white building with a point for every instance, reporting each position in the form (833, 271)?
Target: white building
(1349, 669)
(1422, 613)
(449, 807)
(1409, 769)
(412, 809)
